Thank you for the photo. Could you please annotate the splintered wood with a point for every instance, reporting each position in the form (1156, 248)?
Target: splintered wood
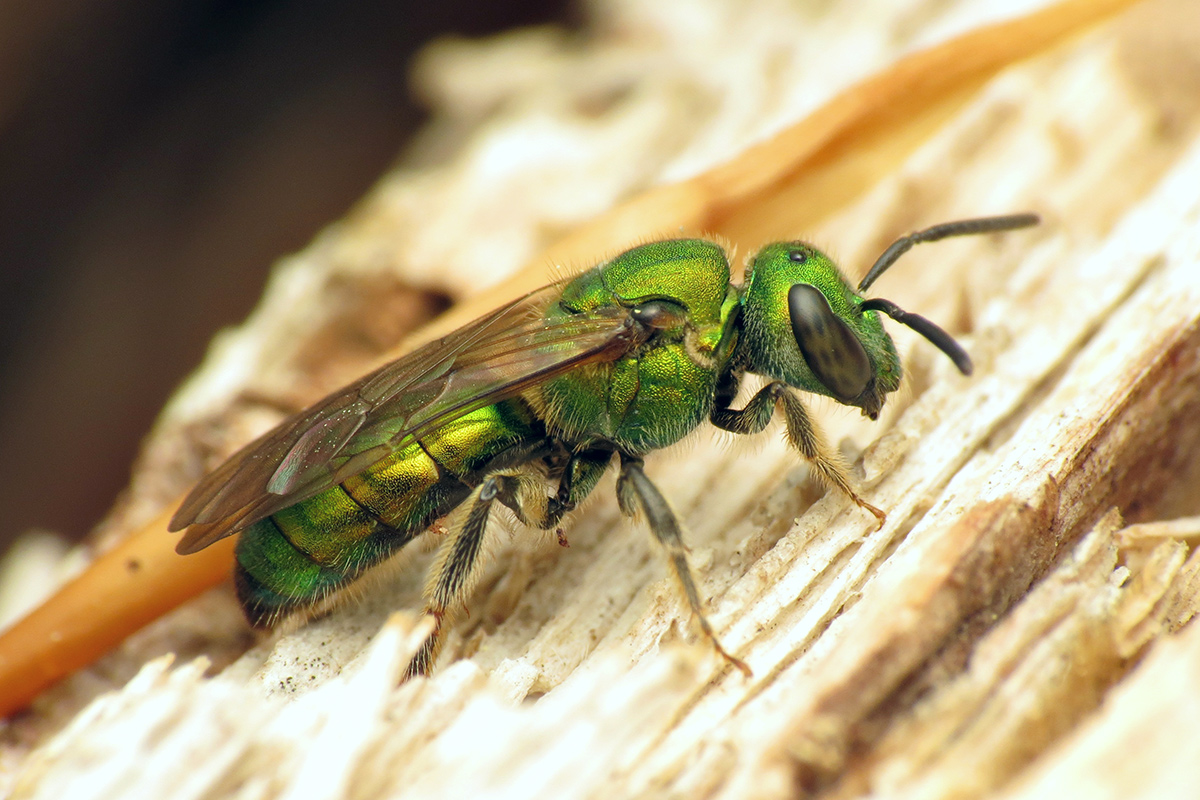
(1019, 628)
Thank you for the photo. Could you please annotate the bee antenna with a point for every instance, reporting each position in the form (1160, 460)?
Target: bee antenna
(938, 337)
(962, 227)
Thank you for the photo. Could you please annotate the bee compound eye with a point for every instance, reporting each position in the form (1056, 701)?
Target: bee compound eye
(829, 346)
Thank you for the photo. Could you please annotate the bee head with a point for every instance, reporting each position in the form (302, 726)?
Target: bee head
(805, 325)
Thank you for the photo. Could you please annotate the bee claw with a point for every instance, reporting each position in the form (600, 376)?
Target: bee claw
(733, 660)
(879, 515)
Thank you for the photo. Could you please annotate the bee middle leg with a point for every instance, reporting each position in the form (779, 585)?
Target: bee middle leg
(635, 490)
(802, 434)
(580, 475)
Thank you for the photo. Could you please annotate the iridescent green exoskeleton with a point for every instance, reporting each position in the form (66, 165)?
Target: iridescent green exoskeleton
(529, 405)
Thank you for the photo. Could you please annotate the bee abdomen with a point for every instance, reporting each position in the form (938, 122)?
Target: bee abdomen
(274, 579)
(304, 554)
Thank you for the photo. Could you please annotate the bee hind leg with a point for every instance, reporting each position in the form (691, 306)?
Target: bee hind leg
(634, 491)
(455, 571)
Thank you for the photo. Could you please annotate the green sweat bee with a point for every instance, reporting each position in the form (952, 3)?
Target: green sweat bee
(529, 405)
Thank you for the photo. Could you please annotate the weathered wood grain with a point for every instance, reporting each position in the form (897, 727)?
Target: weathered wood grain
(1018, 628)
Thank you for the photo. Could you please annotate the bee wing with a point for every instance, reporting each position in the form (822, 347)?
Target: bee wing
(495, 357)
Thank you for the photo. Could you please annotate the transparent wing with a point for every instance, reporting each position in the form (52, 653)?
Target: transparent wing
(493, 358)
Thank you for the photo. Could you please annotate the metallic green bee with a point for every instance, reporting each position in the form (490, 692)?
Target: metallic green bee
(529, 405)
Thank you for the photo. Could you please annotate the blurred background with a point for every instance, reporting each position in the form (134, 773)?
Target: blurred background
(155, 159)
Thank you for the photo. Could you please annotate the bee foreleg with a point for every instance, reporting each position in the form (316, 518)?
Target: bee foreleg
(805, 437)
(634, 487)
(801, 432)
(754, 417)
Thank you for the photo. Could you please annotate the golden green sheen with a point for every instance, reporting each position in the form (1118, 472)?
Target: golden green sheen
(393, 488)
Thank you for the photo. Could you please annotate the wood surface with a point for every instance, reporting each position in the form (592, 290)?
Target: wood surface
(1018, 628)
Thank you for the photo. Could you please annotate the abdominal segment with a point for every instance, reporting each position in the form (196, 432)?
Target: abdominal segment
(301, 556)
